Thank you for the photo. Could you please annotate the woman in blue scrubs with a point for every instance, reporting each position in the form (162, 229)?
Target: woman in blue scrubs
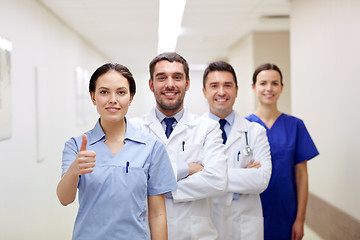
(121, 173)
(284, 201)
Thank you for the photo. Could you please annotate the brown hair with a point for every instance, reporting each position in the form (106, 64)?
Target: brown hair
(267, 66)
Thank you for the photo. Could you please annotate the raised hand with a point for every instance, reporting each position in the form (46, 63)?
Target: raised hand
(85, 160)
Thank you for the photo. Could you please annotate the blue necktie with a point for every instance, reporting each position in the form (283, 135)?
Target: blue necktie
(222, 123)
(169, 122)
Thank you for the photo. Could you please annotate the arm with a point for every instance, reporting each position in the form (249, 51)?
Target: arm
(301, 178)
(194, 168)
(157, 217)
(212, 179)
(253, 180)
(83, 164)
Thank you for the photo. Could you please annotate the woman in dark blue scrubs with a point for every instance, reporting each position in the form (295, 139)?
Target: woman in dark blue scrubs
(284, 201)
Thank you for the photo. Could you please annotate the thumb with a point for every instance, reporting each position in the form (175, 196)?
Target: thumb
(83, 143)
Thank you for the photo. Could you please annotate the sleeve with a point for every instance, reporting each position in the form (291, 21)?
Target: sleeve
(70, 152)
(305, 147)
(182, 170)
(253, 180)
(161, 178)
(212, 180)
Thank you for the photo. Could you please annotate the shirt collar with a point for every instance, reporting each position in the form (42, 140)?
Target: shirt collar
(160, 116)
(97, 134)
(229, 118)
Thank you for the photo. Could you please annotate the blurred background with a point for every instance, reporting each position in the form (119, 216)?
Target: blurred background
(49, 49)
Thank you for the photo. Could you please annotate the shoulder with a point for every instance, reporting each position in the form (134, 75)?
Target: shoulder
(251, 118)
(292, 120)
(137, 122)
(205, 122)
(137, 134)
(198, 122)
(248, 125)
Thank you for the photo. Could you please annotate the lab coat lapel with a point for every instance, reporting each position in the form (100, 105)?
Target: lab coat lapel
(237, 130)
(185, 122)
(155, 126)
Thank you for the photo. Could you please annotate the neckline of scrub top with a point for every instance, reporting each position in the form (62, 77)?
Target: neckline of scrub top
(131, 133)
(262, 122)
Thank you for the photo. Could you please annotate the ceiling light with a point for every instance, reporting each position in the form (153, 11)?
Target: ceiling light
(170, 17)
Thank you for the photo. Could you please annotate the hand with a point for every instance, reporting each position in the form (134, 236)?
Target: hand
(297, 232)
(194, 168)
(85, 160)
(253, 164)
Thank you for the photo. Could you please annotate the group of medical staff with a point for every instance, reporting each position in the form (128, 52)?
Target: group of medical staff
(172, 174)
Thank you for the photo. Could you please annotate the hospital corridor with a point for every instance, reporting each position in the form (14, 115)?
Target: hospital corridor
(49, 49)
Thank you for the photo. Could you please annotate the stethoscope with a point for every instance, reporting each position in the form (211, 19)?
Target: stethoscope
(247, 150)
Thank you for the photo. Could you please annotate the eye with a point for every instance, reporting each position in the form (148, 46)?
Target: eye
(122, 92)
(103, 92)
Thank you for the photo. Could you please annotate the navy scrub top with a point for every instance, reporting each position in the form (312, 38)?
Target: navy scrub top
(290, 144)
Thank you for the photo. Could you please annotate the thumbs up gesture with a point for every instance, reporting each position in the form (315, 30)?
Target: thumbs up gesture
(85, 160)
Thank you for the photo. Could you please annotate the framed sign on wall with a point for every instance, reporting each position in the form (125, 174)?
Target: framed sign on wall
(5, 88)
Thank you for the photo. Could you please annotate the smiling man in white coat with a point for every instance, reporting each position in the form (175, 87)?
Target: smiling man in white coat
(238, 213)
(194, 144)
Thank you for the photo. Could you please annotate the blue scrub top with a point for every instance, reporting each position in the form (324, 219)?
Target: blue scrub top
(113, 198)
(290, 144)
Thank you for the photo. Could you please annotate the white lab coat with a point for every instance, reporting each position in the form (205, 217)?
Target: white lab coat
(189, 212)
(242, 218)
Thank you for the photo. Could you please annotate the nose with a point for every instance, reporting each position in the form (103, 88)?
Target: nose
(268, 87)
(221, 91)
(113, 98)
(170, 83)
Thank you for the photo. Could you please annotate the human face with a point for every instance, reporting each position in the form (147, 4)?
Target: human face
(169, 85)
(268, 87)
(220, 91)
(112, 96)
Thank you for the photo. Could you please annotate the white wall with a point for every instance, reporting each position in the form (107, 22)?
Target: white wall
(29, 208)
(241, 57)
(325, 59)
(274, 47)
(248, 53)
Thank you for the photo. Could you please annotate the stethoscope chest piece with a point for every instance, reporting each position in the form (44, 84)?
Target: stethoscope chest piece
(247, 150)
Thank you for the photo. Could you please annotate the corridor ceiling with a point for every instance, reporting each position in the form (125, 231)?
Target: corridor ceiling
(127, 31)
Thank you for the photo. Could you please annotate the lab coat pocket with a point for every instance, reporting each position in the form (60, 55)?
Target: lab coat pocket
(202, 228)
(191, 153)
(251, 227)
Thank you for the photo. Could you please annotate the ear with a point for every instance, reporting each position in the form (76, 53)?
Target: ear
(187, 84)
(92, 95)
(236, 93)
(131, 98)
(253, 87)
(151, 84)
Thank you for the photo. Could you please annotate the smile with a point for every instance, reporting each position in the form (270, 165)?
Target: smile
(221, 100)
(169, 94)
(112, 109)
